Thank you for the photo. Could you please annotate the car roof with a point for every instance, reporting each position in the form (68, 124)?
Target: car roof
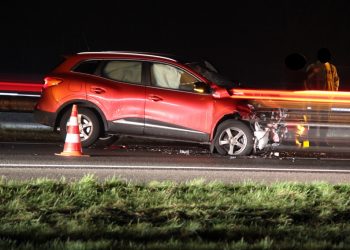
(73, 59)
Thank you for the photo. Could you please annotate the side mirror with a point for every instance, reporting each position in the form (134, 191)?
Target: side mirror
(221, 93)
(201, 87)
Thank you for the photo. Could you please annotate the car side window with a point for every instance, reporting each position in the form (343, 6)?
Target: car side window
(124, 71)
(166, 76)
(87, 67)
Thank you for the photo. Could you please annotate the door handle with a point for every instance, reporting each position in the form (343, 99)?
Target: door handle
(98, 90)
(155, 98)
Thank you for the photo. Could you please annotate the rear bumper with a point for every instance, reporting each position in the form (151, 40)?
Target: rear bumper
(45, 118)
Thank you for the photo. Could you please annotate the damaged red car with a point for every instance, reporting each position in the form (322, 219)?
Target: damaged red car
(154, 95)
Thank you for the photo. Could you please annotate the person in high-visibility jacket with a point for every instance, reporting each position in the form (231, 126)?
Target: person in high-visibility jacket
(321, 75)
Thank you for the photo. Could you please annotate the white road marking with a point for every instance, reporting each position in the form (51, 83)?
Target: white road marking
(94, 166)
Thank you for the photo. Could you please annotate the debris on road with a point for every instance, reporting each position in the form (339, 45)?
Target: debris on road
(185, 152)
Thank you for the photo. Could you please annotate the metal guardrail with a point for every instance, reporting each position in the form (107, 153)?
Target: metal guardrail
(20, 121)
(16, 111)
(17, 104)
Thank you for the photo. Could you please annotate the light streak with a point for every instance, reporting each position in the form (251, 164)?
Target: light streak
(295, 96)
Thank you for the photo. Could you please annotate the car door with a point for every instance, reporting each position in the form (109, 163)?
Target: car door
(173, 108)
(119, 92)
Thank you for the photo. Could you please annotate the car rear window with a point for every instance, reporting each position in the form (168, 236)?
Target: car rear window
(87, 67)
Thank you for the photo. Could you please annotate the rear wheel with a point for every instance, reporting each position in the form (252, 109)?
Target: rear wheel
(233, 138)
(89, 126)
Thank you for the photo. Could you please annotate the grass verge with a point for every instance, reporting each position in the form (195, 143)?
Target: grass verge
(114, 214)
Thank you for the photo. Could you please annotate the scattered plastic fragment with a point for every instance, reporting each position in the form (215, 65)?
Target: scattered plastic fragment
(185, 152)
(113, 147)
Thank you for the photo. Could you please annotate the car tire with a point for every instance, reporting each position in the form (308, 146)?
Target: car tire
(234, 138)
(89, 126)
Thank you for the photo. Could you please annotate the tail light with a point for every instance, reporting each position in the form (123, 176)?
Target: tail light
(51, 81)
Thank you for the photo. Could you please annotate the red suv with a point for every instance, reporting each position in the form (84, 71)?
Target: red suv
(147, 94)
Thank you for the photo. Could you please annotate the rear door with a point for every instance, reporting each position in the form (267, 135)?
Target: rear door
(119, 92)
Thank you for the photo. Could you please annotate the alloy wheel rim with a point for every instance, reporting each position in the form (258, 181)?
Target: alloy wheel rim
(233, 140)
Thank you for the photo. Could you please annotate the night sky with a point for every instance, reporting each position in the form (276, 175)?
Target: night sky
(247, 41)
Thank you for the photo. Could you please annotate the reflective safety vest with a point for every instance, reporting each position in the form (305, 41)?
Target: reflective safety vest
(322, 76)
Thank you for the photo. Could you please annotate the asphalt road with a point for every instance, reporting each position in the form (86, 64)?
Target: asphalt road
(147, 160)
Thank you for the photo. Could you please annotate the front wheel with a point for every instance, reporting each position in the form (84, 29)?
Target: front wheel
(233, 138)
(89, 126)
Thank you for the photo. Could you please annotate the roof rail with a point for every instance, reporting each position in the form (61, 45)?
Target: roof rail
(129, 53)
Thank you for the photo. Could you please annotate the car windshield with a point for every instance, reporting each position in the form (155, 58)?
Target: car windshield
(208, 71)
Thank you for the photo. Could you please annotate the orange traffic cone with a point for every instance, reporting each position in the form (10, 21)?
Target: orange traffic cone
(72, 145)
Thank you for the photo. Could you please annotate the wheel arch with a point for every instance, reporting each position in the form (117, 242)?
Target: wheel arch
(85, 104)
